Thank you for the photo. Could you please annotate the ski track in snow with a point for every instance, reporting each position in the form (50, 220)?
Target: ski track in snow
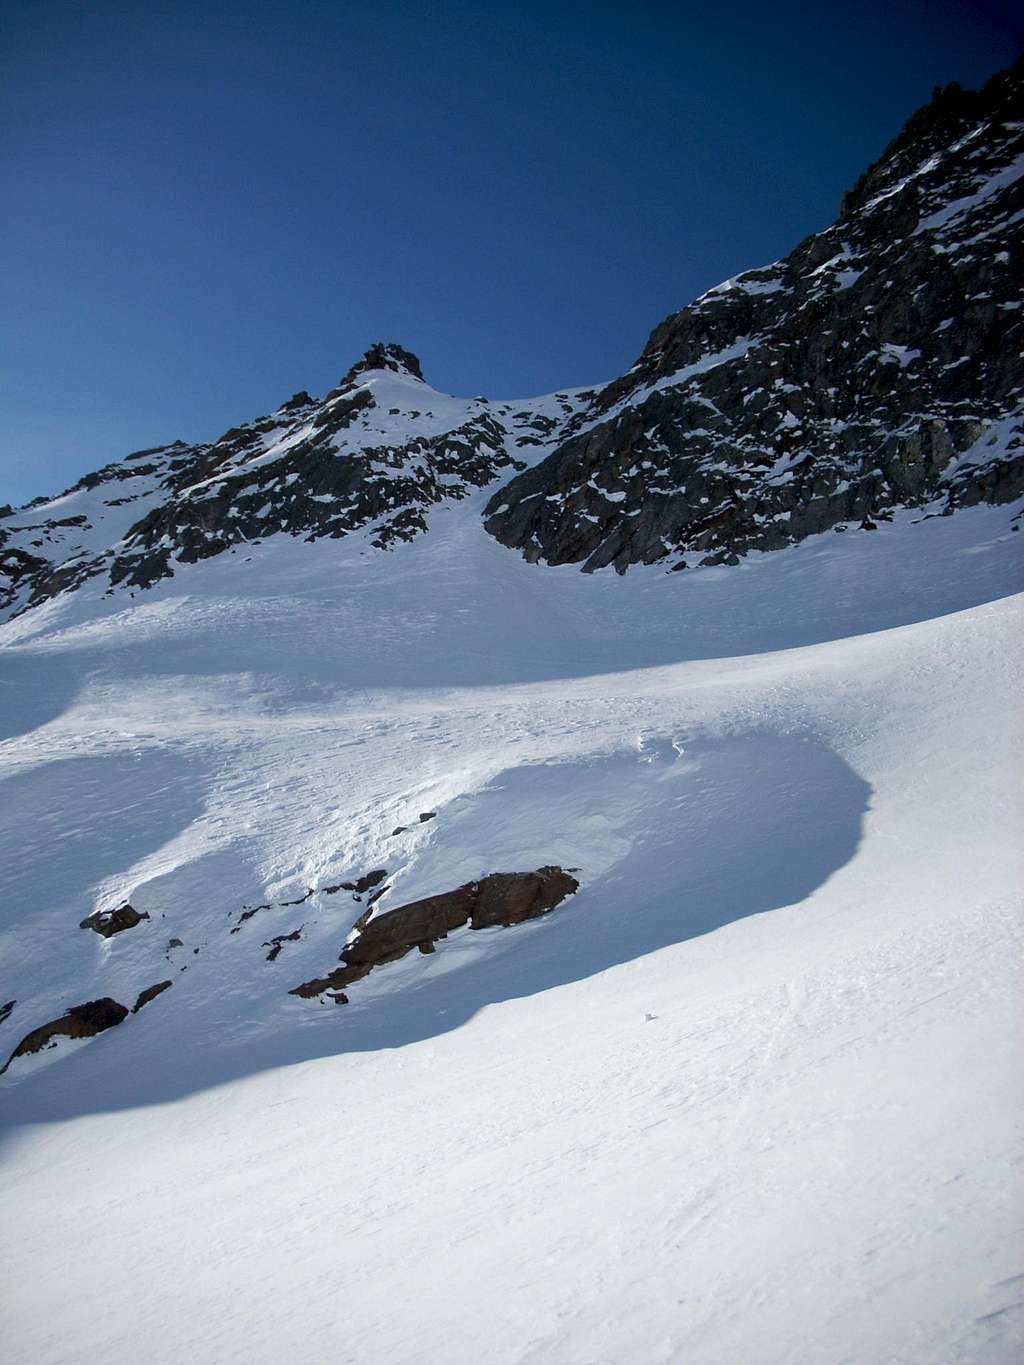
(793, 796)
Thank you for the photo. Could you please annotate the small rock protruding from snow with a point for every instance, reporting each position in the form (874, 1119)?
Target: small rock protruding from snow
(503, 898)
(107, 923)
(81, 1021)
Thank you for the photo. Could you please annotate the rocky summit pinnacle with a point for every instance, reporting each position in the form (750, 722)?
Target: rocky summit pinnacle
(385, 355)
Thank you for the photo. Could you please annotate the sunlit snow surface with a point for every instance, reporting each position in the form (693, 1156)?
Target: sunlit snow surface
(752, 1095)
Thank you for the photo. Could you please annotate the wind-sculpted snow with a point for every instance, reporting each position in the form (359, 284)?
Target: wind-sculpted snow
(777, 1012)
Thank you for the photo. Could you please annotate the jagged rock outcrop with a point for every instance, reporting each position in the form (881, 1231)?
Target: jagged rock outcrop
(503, 898)
(877, 366)
(387, 356)
(107, 923)
(81, 1021)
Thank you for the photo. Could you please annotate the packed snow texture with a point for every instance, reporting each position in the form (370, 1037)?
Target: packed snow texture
(750, 1095)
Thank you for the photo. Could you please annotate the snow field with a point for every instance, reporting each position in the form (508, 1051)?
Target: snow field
(803, 863)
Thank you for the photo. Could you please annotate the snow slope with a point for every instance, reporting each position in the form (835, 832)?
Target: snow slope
(751, 1095)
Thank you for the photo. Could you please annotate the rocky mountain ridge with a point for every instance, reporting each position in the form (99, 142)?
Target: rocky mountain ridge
(375, 454)
(877, 366)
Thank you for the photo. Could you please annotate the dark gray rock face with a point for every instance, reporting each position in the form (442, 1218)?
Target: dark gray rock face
(877, 366)
(81, 1021)
(387, 356)
(503, 898)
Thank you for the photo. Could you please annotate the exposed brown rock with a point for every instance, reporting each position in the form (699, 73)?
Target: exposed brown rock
(5, 1010)
(392, 934)
(300, 900)
(503, 898)
(151, 993)
(512, 897)
(275, 943)
(247, 914)
(357, 887)
(81, 1021)
(365, 883)
(110, 922)
(333, 981)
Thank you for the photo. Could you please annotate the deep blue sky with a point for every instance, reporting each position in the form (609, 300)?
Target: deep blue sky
(209, 206)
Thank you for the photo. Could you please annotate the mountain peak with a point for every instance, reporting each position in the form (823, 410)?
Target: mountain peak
(384, 355)
(937, 126)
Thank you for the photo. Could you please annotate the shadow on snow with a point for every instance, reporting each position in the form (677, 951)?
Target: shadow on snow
(735, 827)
